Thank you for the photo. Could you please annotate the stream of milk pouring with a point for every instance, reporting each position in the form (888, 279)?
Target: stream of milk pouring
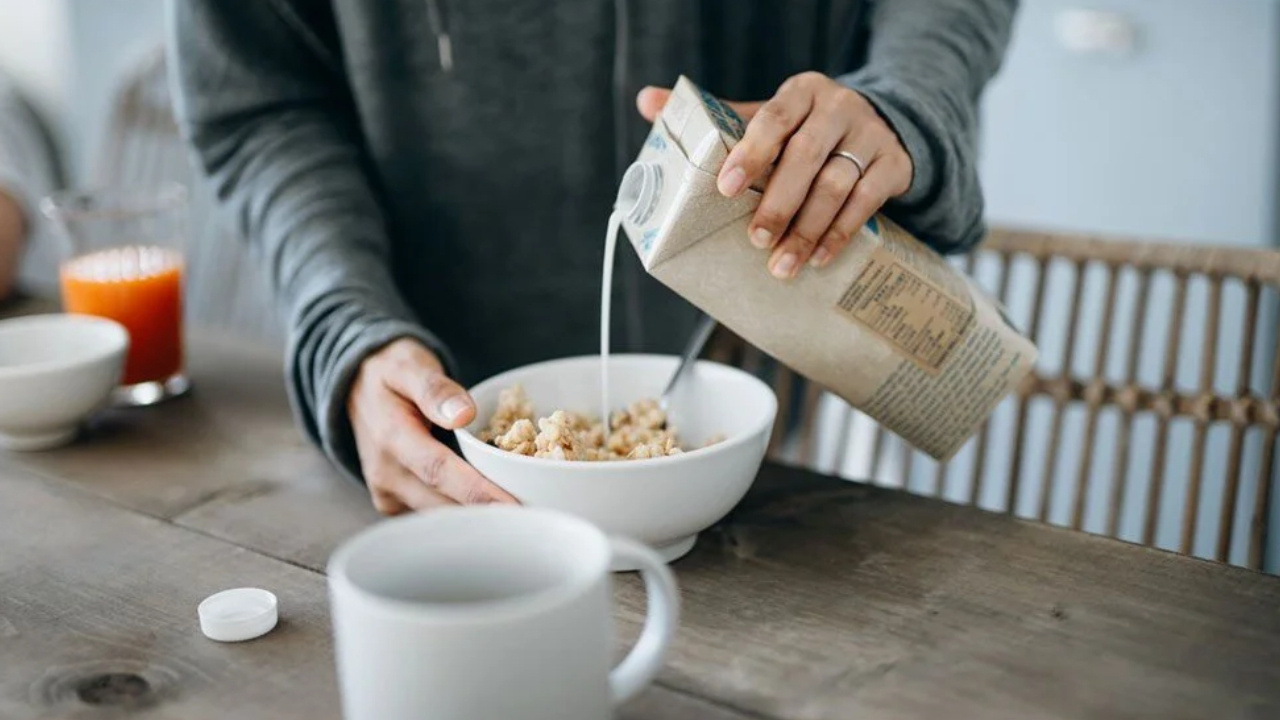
(606, 303)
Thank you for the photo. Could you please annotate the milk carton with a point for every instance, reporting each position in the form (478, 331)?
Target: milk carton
(888, 325)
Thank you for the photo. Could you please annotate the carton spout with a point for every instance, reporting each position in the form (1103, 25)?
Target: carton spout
(639, 192)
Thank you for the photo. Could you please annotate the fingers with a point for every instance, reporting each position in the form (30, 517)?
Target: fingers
(392, 488)
(398, 491)
(830, 191)
(650, 102)
(827, 194)
(767, 134)
(418, 377)
(838, 187)
(444, 402)
(436, 469)
(405, 468)
(387, 503)
(398, 391)
(868, 195)
(799, 176)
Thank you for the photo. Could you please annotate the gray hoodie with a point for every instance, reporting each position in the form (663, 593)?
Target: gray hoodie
(444, 170)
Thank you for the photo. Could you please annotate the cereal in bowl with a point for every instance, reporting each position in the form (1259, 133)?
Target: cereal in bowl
(638, 432)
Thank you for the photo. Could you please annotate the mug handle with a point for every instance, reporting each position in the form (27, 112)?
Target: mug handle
(644, 661)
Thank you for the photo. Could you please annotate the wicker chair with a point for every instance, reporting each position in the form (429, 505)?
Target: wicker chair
(1158, 363)
(224, 287)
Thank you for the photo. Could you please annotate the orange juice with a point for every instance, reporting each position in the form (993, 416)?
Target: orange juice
(141, 288)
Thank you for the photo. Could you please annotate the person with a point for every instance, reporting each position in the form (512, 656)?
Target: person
(429, 181)
(28, 171)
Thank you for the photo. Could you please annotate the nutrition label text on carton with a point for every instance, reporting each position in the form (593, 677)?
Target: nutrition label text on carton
(913, 314)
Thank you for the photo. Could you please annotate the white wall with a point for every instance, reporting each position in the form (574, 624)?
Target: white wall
(1173, 139)
(68, 55)
(110, 39)
(35, 50)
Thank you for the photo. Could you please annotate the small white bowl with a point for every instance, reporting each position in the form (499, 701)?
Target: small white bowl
(663, 502)
(55, 371)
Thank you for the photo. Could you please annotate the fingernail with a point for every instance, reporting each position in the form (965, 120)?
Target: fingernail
(761, 238)
(820, 257)
(452, 408)
(785, 266)
(732, 182)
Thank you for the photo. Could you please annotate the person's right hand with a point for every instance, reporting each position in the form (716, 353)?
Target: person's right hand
(399, 392)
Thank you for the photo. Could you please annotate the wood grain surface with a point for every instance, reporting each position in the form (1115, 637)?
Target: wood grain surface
(98, 617)
(233, 429)
(822, 600)
(98, 620)
(816, 599)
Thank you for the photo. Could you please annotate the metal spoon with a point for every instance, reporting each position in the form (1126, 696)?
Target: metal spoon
(691, 352)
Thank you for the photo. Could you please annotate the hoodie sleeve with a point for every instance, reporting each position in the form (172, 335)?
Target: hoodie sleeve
(926, 68)
(262, 99)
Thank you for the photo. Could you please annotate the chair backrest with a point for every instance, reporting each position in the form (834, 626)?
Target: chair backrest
(1152, 414)
(142, 147)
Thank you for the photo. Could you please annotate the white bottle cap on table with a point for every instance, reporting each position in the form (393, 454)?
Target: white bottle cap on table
(238, 614)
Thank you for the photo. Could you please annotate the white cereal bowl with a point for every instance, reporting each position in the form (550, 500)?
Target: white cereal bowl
(55, 371)
(663, 502)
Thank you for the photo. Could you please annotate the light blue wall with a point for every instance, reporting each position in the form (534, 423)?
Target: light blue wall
(107, 39)
(1178, 140)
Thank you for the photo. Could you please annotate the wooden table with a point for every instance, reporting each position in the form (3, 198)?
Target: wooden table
(817, 598)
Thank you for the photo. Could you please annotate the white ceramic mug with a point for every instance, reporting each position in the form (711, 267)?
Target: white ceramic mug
(488, 612)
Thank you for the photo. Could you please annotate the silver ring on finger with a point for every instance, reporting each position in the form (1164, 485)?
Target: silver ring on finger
(857, 161)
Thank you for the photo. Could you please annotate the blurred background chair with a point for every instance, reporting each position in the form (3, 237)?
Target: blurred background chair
(225, 288)
(1151, 417)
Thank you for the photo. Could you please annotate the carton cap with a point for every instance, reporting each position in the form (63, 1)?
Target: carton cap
(238, 614)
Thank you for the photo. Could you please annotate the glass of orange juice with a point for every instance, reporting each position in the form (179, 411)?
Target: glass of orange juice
(124, 261)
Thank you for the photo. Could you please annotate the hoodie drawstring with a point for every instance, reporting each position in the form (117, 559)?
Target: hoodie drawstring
(444, 46)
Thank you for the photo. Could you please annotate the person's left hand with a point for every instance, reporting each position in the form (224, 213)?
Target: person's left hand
(815, 201)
